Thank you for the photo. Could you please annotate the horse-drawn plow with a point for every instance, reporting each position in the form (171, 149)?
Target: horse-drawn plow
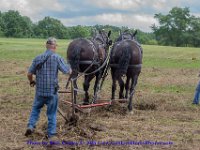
(80, 107)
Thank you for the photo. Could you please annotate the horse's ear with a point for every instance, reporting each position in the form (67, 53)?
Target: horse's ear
(134, 34)
(109, 33)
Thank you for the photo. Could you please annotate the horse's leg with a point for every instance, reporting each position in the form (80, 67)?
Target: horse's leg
(121, 84)
(73, 76)
(113, 83)
(86, 86)
(96, 85)
(132, 91)
(127, 86)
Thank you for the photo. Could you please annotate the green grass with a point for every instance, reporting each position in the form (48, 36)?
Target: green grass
(161, 57)
(26, 49)
(166, 88)
(154, 56)
(171, 57)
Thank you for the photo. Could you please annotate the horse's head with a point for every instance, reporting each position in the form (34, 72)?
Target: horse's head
(103, 39)
(127, 35)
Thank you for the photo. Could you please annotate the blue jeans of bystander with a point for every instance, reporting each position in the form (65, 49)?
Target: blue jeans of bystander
(197, 94)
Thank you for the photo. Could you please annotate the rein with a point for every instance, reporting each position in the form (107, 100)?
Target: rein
(93, 62)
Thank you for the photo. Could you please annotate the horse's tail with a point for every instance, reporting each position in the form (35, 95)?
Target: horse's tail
(75, 59)
(124, 60)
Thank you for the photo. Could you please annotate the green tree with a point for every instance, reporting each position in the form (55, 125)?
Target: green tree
(79, 32)
(194, 32)
(115, 31)
(27, 25)
(173, 27)
(49, 27)
(146, 38)
(14, 25)
(1, 24)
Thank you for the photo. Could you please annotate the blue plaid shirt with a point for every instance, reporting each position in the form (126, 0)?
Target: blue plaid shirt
(47, 75)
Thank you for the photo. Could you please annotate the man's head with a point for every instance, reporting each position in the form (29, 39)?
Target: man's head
(51, 43)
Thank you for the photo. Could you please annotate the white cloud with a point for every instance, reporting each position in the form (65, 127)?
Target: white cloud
(131, 13)
(196, 14)
(136, 5)
(159, 5)
(139, 21)
(118, 4)
(30, 8)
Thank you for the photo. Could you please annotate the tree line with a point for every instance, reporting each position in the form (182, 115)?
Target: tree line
(12, 24)
(177, 28)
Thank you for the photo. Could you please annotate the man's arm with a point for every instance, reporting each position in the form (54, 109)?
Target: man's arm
(63, 66)
(31, 72)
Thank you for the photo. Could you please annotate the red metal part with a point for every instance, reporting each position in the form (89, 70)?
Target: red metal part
(88, 106)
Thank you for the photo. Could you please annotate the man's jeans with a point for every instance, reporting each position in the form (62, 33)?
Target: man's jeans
(52, 103)
(197, 93)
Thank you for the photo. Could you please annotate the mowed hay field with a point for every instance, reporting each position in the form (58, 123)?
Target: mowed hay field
(163, 109)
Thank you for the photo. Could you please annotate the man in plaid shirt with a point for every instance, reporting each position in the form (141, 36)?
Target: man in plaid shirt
(45, 67)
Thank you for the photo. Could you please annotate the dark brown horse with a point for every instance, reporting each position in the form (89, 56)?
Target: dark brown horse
(126, 59)
(87, 56)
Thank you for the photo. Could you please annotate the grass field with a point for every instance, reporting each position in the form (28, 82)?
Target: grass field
(162, 103)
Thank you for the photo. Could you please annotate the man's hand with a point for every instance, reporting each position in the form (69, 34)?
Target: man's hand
(32, 83)
(30, 78)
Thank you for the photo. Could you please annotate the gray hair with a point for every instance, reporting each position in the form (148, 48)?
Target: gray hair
(51, 41)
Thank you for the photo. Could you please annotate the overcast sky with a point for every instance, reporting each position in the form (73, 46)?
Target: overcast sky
(131, 13)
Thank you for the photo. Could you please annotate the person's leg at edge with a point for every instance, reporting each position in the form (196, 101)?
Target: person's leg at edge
(197, 93)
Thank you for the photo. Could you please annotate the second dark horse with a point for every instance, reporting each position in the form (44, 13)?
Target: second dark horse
(126, 59)
(86, 56)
